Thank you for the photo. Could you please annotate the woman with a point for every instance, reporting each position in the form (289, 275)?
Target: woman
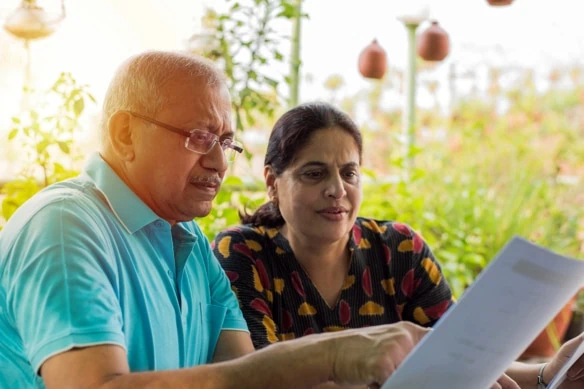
(304, 262)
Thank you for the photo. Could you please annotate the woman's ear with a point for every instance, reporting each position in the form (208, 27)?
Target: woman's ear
(270, 180)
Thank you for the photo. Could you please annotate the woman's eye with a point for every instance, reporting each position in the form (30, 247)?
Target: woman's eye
(352, 175)
(313, 174)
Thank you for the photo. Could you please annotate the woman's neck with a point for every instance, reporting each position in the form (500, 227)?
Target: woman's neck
(318, 257)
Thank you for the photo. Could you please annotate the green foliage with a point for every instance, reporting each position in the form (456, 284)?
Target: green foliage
(497, 177)
(248, 46)
(235, 196)
(45, 135)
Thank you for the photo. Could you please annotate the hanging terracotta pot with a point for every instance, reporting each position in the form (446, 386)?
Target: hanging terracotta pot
(373, 61)
(497, 3)
(433, 44)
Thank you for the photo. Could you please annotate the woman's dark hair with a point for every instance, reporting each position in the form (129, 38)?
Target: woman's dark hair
(290, 134)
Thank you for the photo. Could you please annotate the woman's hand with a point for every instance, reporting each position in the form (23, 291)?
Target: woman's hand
(575, 375)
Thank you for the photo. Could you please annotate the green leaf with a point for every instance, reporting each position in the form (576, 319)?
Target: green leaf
(273, 83)
(232, 181)
(15, 120)
(79, 106)
(12, 133)
(64, 147)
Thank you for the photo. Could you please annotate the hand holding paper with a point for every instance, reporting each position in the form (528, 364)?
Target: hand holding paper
(510, 302)
(567, 359)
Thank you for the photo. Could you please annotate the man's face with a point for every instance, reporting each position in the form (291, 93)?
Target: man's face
(175, 182)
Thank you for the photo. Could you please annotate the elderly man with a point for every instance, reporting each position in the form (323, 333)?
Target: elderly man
(106, 282)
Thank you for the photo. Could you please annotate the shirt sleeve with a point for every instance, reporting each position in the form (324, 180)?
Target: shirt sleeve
(56, 268)
(426, 291)
(249, 281)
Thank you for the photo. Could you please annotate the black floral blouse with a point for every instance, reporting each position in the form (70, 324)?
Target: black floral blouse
(393, 276)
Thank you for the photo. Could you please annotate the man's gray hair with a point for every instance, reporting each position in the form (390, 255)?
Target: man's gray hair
(139, 82)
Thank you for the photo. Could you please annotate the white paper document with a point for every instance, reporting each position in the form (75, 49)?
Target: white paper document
(498, 316)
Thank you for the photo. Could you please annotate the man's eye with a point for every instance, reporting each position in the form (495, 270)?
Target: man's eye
(199, 137)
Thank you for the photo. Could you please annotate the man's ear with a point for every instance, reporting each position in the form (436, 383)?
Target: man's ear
(120, 135)
(270, 180)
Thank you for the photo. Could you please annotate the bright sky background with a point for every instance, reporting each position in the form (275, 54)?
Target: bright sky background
(98, 34)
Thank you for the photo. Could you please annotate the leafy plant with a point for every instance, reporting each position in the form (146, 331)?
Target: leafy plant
(46, 137)
(248, 46)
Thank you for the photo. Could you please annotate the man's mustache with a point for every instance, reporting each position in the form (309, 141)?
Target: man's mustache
(216, 180)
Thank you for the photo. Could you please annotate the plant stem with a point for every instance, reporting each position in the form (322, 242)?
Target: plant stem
(295, 56)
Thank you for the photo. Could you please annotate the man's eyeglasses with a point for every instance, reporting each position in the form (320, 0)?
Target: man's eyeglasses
(200, 142)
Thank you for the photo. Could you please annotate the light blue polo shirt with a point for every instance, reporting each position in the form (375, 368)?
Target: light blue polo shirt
(86, 262)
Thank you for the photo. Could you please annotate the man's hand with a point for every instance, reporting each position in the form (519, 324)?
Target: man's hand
(370, 355)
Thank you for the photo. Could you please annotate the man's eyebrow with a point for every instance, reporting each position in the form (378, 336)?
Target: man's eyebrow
(228, 134)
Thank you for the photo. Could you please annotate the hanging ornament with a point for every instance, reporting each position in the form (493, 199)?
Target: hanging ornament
(433, 43)
(30, 21)
(497, 3)
(373, 61)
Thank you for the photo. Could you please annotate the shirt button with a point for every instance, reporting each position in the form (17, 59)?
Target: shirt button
(169, 273)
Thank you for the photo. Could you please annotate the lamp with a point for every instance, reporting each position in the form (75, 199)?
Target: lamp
(498, 3)
(30, 21)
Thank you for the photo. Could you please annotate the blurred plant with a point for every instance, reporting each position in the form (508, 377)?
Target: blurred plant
(248, 45)
(333, 84)
(234, 197)
(46, 137)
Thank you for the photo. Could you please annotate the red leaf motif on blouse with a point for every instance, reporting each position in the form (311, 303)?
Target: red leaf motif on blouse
(357, 233)
(418, 244)
(261, 306)
(344, 312)
(402, 229)
(436, 311)
(243, 249)
(409, 284)
(309, 331)
(387, 253)
(233, 276)
(297, 283)
(286, 321)
(366, 280)
(263, 274)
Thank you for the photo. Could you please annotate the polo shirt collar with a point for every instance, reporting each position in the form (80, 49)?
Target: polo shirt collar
(128, 208)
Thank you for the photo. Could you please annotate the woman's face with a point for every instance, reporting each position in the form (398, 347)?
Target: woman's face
(319, 194)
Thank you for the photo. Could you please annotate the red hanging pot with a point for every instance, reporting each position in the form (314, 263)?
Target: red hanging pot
(433, 44)
(373, 61)
(497, 3)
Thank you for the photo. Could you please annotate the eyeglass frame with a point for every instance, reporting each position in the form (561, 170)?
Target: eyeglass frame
(234, 145)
